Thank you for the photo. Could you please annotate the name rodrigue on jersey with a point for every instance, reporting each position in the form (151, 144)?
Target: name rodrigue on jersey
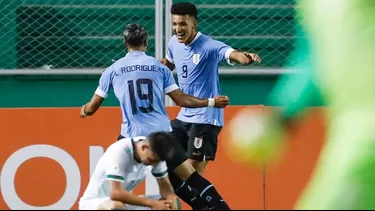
(132, 68)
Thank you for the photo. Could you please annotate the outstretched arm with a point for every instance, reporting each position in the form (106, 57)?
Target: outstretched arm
(244, 58)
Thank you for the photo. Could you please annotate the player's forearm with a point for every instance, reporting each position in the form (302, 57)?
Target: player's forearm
(240, 57)
(170, 65)
(168, 195)
(130, 198)
(166, 190)
(88, 109)
(91, 107)
(192, 102)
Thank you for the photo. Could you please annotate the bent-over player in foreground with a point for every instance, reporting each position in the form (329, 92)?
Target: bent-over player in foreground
(140, 82)
(122, 167)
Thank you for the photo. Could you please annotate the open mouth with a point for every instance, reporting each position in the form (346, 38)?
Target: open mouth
(180, 36)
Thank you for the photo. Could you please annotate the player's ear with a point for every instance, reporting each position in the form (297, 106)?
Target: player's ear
(195, 23)
(145, 43)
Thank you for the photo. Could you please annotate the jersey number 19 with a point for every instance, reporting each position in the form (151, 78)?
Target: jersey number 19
(148, 96)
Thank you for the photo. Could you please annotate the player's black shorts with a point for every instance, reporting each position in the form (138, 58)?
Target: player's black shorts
(179, 155)
(198, 140)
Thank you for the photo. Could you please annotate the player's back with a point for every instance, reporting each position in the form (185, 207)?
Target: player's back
(139, 82)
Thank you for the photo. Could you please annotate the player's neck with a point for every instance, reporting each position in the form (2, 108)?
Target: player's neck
(132, 49)
(137, 149)
(188, 42)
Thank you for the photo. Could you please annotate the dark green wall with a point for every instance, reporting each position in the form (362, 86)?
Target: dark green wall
(66, 91)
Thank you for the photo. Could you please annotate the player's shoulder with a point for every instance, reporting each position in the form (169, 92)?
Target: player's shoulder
(109, 70)
(207, 39)
(115, 65)
(173, 39)
(120, 146)
(161, 66)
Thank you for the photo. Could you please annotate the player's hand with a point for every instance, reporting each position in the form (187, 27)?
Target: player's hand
(82, 114)
(221, 101)
(174, 204)
(161, 205)
(253, 57)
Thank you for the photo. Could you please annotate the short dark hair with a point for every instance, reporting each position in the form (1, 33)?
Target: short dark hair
(135, 35)
(161, 144)
(184, 8)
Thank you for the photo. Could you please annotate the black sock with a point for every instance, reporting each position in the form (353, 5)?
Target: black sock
(186, 193)
(207, 191)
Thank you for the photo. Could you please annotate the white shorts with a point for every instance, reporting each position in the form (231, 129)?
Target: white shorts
(93, 204)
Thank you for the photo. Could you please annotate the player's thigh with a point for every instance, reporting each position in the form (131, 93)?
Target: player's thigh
(179, 133)
(203, 142)
(179, 156)
(104, 203)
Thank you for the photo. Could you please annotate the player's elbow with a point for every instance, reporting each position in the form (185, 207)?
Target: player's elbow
(180, 102)
(115, 195)
(178, 97)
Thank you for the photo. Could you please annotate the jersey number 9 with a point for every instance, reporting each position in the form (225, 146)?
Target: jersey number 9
(148, 96)
(184, 71)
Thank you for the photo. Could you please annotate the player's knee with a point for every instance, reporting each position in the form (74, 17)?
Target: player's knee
(184, 170)
(112, 205)
(199, 166)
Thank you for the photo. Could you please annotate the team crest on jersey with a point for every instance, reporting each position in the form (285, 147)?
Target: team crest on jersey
(198, 142)
(196, 58)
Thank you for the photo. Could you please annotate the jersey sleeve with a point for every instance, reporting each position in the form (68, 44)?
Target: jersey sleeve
(160, 170)
(169, 81)
(169, 55)
(222, 50)
(117, 165)
(105, 83)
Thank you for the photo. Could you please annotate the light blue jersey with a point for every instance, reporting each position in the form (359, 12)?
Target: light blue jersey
(140, 83)
(197, 66)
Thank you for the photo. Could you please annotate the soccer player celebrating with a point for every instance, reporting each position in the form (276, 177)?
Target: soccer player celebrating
(123, 167)
(140, 83)
(196, 58)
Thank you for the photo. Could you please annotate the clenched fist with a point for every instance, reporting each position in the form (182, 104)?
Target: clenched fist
(221, 101)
